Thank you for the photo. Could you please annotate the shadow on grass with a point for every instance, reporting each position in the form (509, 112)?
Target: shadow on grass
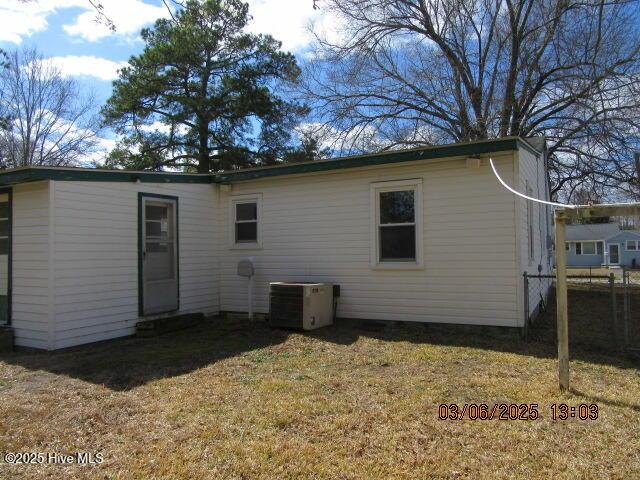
(126, 363)
(605, 401)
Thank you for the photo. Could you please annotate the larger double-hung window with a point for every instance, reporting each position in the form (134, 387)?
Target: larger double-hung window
(396, 224)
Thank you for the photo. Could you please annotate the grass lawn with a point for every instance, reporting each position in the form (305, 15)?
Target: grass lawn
(231, 399)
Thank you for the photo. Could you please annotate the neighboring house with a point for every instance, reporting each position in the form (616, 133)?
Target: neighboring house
(603, 244)
(423, 235)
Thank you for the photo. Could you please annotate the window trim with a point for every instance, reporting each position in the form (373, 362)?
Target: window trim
(245, 198)
(375, 189)
(626, 245)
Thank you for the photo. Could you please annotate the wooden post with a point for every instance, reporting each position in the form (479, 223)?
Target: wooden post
(562, 314)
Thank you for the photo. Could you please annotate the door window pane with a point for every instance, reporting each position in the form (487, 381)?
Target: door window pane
(153, 229)
(397, 207)
(398, 243)
(155, 212)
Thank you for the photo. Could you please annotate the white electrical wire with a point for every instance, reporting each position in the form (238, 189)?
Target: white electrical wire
(504, 184)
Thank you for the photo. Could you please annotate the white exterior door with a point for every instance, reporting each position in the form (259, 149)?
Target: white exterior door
(614, 253)
(159, 255)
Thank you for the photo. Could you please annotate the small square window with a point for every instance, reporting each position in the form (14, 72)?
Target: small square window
(245, 221)
(632, 245)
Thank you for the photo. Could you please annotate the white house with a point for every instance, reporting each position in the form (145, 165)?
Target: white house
(424, 235)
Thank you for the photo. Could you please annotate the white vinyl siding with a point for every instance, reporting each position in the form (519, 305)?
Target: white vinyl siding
(317, 227)
(535, 230)
(96, 256)
(31, 313)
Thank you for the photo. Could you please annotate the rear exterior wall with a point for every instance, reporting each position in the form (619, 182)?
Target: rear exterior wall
(317, 227)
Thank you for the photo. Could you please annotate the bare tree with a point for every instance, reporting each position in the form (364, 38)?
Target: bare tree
(421, 72)
(48, 120)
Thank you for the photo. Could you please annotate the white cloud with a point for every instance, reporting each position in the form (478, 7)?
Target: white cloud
(128, 17)
(289, 21)
(22, 19)
(19, 19)
(87, 65)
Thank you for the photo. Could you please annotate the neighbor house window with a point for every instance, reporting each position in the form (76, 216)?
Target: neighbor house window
(245, 215)
(397, 231)
(567, 246)
(585, 248)
(632, 245)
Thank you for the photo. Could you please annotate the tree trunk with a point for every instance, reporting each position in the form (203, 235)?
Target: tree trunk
(204, 162)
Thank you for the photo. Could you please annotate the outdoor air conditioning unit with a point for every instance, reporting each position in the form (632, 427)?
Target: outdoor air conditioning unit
(302, 306)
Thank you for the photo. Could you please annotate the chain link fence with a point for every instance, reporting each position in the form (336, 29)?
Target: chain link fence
(604, 309)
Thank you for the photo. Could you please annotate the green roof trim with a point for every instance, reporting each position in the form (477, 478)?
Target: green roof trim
(34, 174)
(395, 156)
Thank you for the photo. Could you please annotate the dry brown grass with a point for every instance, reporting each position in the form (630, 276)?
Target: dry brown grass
(238, 400)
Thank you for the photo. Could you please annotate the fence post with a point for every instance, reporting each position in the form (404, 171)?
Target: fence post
(614, 309)
(562, 314)
(627, 308)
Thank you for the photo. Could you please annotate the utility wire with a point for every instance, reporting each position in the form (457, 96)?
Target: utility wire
(504, 184)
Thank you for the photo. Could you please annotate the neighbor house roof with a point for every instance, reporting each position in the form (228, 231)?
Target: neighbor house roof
(596, 231)
(32, 174)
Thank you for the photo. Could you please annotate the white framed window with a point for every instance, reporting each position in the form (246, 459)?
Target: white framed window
(245, 214)
(585, 248)
(633, 245)
(567, 246)
(396, 224)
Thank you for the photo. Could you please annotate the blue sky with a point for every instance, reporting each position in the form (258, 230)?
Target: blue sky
(67, 32)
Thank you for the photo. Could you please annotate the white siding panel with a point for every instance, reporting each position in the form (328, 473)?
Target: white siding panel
(317, 228)
(532, 172)
(96, 256)
(30, 300)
